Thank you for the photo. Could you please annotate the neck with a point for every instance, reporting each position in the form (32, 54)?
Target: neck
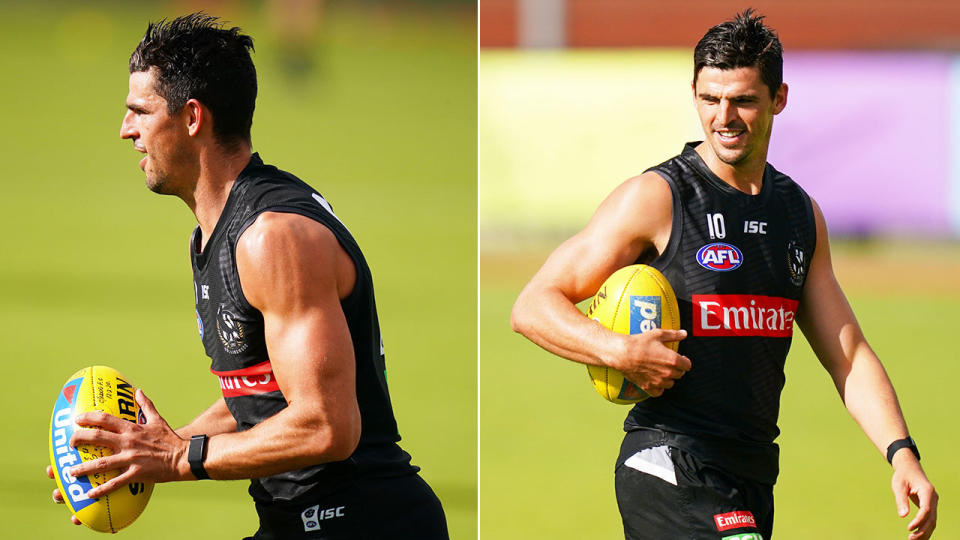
(217, 170)
(745, 175)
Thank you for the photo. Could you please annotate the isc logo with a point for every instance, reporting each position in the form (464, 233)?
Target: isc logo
(644, 313)
(719, 257)
(314, 515)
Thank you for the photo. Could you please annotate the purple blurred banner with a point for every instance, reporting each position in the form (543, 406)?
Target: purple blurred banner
(867, 134)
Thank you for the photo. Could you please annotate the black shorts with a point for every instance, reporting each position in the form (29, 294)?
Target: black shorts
(371, 508)
(667, 492)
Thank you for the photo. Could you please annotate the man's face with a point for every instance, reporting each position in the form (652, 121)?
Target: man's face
(736, 112)
(156, 133)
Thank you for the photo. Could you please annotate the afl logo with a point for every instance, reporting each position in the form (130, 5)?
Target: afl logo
(230, 331)
(720, 257)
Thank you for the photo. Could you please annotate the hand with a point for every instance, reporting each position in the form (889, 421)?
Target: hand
(58, 497)
(909, 483)
(647, 362)
(151, 452)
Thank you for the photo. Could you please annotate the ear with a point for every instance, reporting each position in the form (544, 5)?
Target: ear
(196, 117)
(780, 99)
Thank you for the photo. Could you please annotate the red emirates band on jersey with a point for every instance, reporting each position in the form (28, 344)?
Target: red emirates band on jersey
(249, 381)
(743, 315)
(735, 520)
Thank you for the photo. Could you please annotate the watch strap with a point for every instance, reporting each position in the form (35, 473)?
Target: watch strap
(196, 454)
(900, 444)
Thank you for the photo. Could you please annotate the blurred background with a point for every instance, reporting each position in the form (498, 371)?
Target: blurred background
(575, 96)
(371, 102)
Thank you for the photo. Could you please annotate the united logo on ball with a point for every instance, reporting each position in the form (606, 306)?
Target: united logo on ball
(633, 300)
(96, 388)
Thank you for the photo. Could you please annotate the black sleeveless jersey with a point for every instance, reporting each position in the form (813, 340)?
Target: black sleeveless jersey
(233, 336)
(737, 264)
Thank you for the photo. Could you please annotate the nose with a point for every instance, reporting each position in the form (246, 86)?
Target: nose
(127, 129)
(726, 112)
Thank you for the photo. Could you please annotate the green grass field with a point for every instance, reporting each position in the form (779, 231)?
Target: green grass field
(548, 441)
(95, 269)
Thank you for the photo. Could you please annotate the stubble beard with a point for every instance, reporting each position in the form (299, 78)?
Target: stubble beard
(730, 156)
(159, 178)
(158, 182)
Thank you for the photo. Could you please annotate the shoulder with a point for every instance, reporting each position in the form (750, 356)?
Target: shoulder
(282, 254)
(638, 214)
(784, 182)
(639, 201)
(272, 233)
(650, 186)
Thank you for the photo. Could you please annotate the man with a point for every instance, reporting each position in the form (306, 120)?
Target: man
(698, 459)
(286, 312)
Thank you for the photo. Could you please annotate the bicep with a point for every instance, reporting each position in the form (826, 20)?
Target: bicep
(634, 218)
(288, 270)
(825, 317)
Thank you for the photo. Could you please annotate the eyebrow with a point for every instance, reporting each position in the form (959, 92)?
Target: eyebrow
(738, 97)
(135, 107)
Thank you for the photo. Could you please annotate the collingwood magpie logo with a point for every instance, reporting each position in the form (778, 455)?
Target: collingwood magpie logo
(230, 331)
(796, 262)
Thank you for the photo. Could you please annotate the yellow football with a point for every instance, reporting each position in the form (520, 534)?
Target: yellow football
(632, 300)
(96, 388)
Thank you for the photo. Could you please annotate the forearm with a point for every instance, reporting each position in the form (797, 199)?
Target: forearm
(215, 420)
(871, 400)
(546, 317)
(291, 439)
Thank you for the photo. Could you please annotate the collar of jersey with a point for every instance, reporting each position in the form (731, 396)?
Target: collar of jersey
(200, 259)
(691, 156)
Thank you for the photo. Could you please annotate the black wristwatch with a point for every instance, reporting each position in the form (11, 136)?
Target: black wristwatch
(196, 453)
(902, 443)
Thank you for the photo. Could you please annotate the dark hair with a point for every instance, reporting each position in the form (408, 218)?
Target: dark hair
(742, 42)
(196, 58)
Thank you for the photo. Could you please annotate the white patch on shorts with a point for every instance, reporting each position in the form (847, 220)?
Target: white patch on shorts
(654, 461)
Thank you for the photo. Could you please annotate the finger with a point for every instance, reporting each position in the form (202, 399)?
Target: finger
(149, 410)
(102, 420)
(653, 390)
(926, 516)
(900, 495)
(75, 520)
(921, 534)
(683, 364)
(109, 487)
(919, 520)
(50, 472)
(99, 465)
(57, 496)
(96, 437)
(668, 335)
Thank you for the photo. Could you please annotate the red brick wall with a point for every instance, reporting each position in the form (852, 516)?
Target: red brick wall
(802, 24)
(498, 23)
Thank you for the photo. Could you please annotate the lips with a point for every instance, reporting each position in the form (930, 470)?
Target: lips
(140, 148)
(729, 136)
